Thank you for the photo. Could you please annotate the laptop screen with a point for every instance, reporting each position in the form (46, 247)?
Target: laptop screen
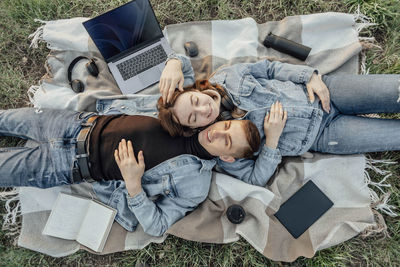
(124, 29)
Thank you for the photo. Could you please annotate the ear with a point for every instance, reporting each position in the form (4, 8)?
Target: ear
(229, 159)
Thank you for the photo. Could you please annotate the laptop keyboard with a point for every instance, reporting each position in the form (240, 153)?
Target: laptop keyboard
(142, 62)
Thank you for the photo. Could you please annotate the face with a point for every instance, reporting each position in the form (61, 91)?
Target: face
(195, 109)
(225, 139)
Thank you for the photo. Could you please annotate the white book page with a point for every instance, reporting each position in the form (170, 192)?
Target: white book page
(66, 216)
(96, 226)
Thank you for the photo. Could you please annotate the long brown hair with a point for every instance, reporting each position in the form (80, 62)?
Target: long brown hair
(168, 120)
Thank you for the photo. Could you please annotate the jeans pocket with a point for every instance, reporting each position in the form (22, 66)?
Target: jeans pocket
(83, 115)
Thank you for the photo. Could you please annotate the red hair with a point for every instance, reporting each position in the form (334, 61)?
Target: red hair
(166, 114)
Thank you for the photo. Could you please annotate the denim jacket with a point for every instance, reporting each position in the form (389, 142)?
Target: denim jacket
(170, 190)
(254, 87)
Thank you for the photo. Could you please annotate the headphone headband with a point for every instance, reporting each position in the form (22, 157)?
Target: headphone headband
(72, 64)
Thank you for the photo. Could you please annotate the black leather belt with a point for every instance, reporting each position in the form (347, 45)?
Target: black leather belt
(81, 172)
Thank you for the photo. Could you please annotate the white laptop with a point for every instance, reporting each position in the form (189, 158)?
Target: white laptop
(132, 43)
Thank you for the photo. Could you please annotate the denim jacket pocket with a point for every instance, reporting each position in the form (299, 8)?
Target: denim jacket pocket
(168, 186)
(289, 147)
(247, 85)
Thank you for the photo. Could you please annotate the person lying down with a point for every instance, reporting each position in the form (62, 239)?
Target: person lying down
(134, 151)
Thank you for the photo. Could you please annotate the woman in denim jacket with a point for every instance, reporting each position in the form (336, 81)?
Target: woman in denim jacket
(293, 106)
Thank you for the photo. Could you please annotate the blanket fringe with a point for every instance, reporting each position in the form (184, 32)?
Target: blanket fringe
(379, 203)
(398, 100)
(12, 217)
(379, 228)
(363, 64)
(31, 94)
(37, 36)
(362, 21)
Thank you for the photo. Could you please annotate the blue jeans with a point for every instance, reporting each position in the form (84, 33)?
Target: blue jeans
(49, 163)
(342, 132)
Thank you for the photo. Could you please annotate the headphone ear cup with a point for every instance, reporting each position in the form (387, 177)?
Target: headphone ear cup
(92, 68)
(77, 86)
(227, 103)
(225, 115)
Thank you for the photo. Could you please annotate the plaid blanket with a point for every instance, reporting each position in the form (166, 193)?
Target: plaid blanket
(335, 47)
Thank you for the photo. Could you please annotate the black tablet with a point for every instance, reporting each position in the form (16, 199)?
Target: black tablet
(303, 209)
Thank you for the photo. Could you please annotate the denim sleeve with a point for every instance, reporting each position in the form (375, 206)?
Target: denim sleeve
(187, 68)
(281, 71)
(256, 172)
(157, 217)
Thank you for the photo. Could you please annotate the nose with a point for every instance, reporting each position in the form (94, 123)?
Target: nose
(202, 110)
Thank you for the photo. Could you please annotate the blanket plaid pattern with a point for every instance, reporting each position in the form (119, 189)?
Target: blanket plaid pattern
(335, 48)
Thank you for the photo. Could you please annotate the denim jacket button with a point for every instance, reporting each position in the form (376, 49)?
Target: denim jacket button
(166, 192)
(154, 113)
(122, 107)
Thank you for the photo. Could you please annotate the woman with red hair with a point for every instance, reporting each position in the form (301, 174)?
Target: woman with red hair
(294, 109)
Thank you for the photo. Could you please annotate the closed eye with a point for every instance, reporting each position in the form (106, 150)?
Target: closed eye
(227, 125)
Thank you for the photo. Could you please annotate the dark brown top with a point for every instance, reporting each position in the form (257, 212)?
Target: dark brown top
(145, 133)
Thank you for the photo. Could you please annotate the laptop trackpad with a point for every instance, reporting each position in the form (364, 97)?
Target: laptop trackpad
(150, 76)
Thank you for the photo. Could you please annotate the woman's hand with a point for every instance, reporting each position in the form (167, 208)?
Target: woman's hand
(274, 122)
(317, 86)
(131, 170)
(171, 78)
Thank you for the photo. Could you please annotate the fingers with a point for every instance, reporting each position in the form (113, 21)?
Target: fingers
(161, 85)
(170, 90)
(165, 90)
(280, 114)
(130, 149)
(310, 92)
(266, 119)
(325, 101)
(180, 85)
(141, 159)
(277, 112)
(124, 152)
(116, 156)
(318, 87)
(325, 98)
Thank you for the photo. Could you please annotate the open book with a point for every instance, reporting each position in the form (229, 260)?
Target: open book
(84, 220)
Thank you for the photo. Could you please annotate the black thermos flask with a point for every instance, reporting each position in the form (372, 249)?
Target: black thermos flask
(286, 46)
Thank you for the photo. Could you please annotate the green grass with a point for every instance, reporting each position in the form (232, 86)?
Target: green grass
(21, 67)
